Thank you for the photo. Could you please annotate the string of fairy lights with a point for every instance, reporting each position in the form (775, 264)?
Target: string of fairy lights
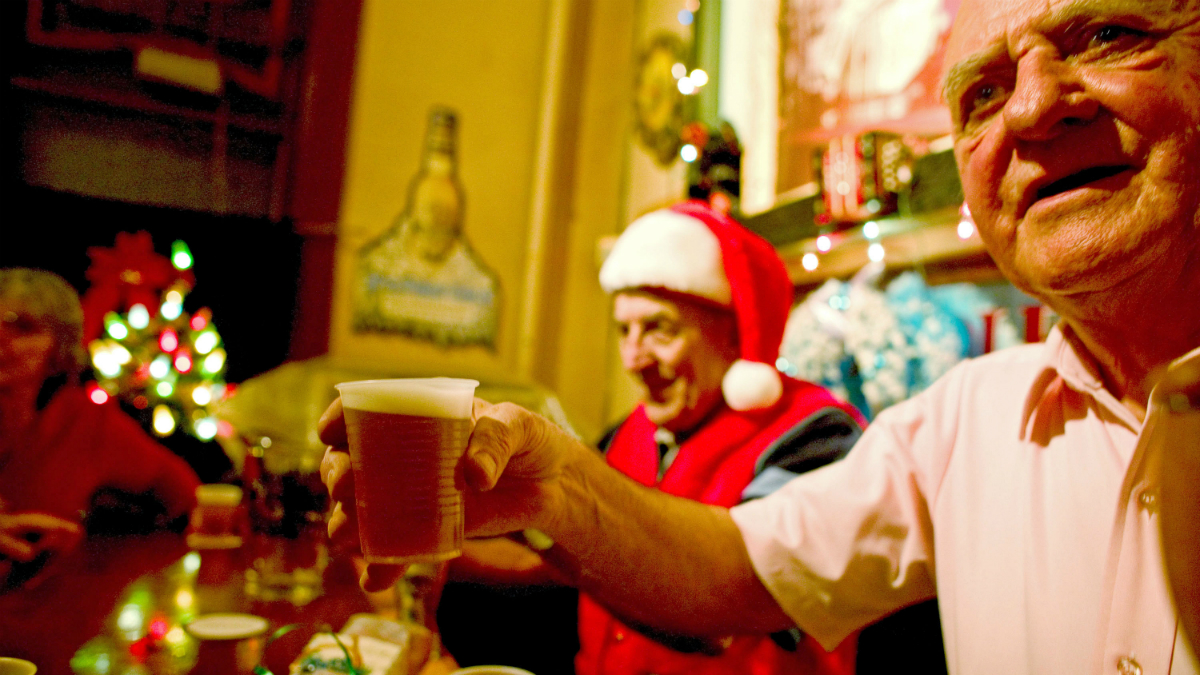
(689, 82)
(164, 360)
(872, 231)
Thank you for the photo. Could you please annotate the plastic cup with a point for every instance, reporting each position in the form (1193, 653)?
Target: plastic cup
(216, 520)
(230, 643)
(406, 438)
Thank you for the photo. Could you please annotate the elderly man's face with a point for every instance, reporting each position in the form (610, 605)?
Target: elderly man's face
(678, 350)
(1077, 129)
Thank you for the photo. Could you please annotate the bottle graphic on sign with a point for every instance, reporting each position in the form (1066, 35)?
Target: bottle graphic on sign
(421, 278)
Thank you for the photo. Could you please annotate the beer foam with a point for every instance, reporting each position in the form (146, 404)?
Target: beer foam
(427, 397)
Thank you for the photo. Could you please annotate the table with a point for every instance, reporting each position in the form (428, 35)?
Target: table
(99, 609)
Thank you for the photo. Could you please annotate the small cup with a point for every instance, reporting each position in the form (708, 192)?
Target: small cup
(216, 522)
(12, 666)
(406, 438)
(230, 643)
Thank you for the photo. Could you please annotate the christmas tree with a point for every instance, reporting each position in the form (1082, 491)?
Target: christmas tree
(146, 350)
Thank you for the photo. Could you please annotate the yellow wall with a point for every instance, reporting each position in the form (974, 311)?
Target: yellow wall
(549, 164)
(580, 317)
(483, 59)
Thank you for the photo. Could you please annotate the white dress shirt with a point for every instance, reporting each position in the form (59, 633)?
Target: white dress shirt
(1020, 492)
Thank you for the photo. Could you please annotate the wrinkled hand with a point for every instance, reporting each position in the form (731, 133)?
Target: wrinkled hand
(511, 468)
(26, 536)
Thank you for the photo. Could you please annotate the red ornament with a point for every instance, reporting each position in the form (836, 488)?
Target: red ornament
(695, 133)
(139, 649)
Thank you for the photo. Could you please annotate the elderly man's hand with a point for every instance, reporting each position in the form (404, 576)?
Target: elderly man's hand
(511, 468)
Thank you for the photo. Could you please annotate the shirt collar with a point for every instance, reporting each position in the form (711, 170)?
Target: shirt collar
(1067, 362)
(664, 436)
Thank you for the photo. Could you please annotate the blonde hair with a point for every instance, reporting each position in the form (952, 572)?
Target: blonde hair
(49, 299)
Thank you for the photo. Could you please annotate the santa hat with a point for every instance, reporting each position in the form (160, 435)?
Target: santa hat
(692, 249)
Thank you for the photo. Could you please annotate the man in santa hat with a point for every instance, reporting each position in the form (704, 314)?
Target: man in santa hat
(700, 303)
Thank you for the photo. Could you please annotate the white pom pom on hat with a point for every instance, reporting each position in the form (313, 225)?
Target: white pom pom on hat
(750, 385)
(692, 249)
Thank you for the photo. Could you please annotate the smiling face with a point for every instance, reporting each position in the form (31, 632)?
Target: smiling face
(1077, 134)
(678, 350)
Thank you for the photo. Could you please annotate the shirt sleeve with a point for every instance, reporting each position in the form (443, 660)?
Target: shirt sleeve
(821, 438)
(844, 545)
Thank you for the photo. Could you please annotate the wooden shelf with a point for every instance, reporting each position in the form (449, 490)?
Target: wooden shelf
(125, 93)
(930, 244)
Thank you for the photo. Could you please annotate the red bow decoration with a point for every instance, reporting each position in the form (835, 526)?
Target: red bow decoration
(695, 133)
(127, 274)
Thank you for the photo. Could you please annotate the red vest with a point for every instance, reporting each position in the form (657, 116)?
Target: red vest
(713, 466)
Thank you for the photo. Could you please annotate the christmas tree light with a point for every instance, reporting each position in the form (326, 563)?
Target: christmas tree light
(139, 316)
(157, 357)
(115, 327)
(181, 255)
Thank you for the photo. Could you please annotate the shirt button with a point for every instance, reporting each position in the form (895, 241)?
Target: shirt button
(1127, 665)
(1148, 499)
(619, 636)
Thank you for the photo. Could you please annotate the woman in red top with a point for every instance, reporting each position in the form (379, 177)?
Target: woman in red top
(57, 448)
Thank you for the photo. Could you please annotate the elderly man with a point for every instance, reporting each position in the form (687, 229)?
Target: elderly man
(700, 303)
(1021, 488)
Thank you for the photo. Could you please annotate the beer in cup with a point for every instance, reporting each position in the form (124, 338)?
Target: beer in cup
(406, 438)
